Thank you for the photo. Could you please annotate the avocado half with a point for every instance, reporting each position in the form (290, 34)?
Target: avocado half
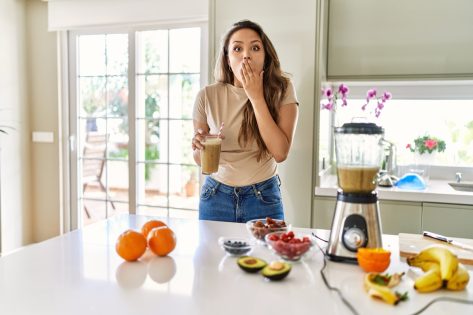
(277, 270)
(251, 264)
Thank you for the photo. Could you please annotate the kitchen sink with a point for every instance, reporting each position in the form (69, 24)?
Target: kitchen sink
(462, 186)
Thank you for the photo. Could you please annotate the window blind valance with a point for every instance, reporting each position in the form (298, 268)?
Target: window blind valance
(79, 14)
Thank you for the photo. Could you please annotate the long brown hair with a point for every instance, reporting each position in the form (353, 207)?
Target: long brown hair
(274, 84)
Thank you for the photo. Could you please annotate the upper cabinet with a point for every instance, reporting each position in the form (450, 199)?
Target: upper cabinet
(400, 39)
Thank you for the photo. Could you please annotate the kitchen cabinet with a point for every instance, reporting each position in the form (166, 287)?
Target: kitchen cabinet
(400, 39)
(401, 217)
(396, 217)
(448, 219)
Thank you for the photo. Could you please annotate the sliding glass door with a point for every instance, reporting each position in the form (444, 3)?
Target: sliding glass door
(132, 93)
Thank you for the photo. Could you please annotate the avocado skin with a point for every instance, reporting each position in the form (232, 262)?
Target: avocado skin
(275, 275)
(260, 264)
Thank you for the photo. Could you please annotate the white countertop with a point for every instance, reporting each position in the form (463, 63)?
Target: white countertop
(436, 191)
(80, 273)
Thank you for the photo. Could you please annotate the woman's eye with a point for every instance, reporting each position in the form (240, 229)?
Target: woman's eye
(237, 49)
(256, 48)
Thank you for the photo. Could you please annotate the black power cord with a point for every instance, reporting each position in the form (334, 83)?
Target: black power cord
(352, 308)
(327, 284)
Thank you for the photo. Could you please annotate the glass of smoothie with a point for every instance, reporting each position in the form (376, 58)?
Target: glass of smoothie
(210, 154)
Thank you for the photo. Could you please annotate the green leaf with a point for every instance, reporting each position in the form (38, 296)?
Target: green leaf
(402, 296)
(382, 279)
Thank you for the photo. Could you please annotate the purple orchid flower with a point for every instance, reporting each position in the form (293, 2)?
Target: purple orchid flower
(370, 94)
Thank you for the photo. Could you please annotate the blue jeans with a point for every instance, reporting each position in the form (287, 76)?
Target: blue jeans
(220, 202)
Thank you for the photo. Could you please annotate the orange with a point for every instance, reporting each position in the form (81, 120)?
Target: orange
(130, 245)
(148, 226)
(373, 259)
(161, 240)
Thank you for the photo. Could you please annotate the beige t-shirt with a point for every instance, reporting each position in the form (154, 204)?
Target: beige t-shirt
(222, 102)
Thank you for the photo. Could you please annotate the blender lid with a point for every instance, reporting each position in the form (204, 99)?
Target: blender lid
(360, 128)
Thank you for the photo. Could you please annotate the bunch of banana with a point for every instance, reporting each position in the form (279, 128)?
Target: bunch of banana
(378, 286)
(441, 269)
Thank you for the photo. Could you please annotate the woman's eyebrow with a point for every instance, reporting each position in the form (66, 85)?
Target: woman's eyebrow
(241, 42)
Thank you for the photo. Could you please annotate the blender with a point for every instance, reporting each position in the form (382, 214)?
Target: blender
(356, 222)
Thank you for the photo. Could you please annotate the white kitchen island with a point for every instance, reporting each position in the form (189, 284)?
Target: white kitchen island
(80, 273)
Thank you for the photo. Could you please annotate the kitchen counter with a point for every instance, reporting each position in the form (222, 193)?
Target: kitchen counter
(80, 273)
(436, 191)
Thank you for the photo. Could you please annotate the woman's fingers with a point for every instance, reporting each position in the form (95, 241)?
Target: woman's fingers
(196, 140)
(249, 69)
(247, 73)
(244, 74)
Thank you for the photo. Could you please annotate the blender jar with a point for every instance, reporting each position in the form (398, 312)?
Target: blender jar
(359, 153)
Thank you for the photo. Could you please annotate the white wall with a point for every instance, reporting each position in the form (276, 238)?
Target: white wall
(44, 116)
(14, 111)
(291, 29)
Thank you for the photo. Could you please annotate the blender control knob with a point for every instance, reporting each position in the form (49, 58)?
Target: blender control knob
(354, 238)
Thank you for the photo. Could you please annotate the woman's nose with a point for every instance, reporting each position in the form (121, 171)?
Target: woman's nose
(246, 57)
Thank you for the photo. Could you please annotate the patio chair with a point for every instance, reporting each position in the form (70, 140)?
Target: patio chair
(93, 163)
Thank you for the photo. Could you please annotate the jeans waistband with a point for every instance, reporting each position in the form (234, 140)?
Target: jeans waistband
(275, 180)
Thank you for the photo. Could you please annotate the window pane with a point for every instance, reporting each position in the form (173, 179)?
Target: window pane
(184, 49)
(405, 120)
(92, 96)
(180, 148)
(153, 51)
(153, 140)
(184, 187)
(92, 55)
(156, 185)
(152, 96)
(154, 211)
(117, 130)
(117, 180)
(182, 91)
(93, 210)
(117, 54)
(117, 96)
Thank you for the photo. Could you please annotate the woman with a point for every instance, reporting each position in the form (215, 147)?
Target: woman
(258, 106)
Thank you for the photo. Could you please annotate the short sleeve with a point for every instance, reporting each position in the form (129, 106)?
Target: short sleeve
(290, 97)
(199, 107)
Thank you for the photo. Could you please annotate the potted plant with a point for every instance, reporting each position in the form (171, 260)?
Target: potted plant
(425, 149)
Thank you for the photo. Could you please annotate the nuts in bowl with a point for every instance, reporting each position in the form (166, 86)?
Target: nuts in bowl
(288, 245)
(259, 228)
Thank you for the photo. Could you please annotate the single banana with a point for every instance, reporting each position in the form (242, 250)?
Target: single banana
(379, 291)
(429, 281)
(447, 260)
(425, 265)
(460, 279)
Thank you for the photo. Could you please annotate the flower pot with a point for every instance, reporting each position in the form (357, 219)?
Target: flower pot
(422, 164)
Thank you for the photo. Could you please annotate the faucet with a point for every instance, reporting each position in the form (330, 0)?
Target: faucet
(458, 177)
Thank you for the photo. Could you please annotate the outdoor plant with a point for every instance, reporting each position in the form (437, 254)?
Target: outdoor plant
(334, 97)
(427, 144)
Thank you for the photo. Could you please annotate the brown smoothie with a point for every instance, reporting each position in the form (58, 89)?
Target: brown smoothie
(210, 155)
(357, 179)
